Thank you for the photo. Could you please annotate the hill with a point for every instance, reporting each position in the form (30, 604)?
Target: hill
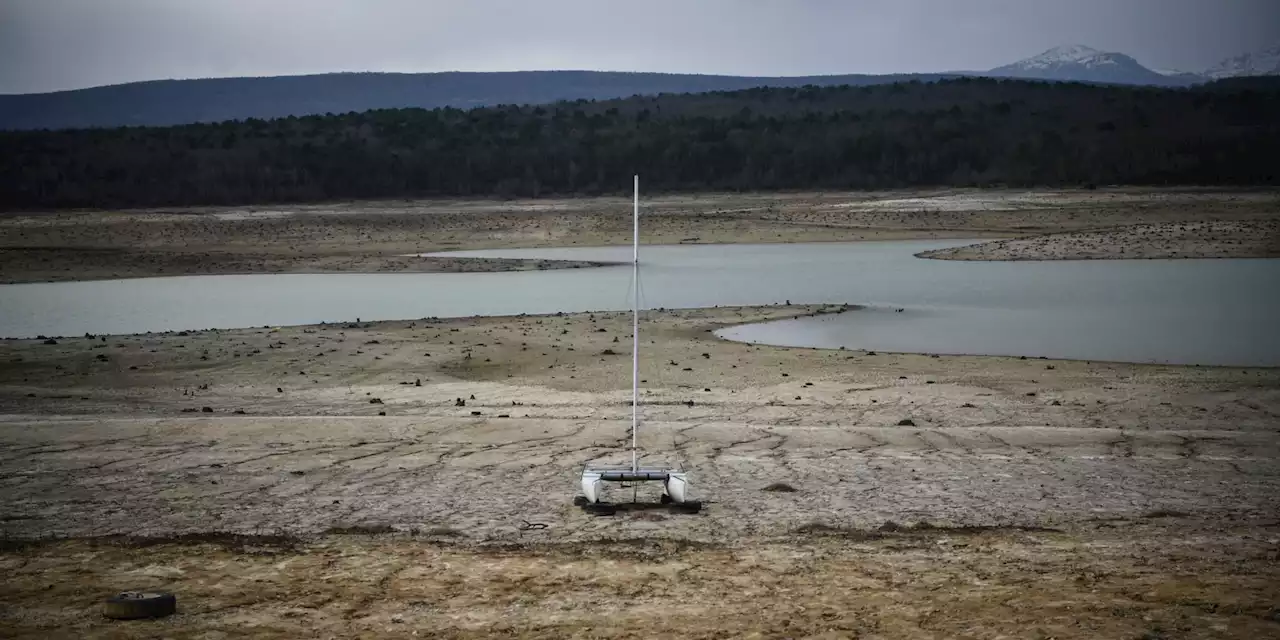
(173, 102)
(1078, 63)
(1265, 62)
(963, 132)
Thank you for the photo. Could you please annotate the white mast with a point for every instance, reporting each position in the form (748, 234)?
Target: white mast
(635, 328)
(675, 482)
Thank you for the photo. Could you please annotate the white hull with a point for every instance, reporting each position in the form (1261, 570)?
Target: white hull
(675, 482)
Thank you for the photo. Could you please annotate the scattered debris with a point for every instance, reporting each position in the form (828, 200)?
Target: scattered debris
(360, 530)
(1165, 513)
(136, 605)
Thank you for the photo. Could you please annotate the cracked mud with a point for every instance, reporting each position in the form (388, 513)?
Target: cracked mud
(1119, 500)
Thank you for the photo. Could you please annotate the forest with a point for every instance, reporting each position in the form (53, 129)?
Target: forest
(958, 132)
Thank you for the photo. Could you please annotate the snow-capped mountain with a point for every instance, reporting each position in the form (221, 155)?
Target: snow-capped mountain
(1063, 55)
(1258, 63)
(1079, 63)
(1179, 77)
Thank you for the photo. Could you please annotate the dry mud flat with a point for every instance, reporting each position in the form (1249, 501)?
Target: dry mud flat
(1138, 580)
(375, 236)
(1058, 499)
(1204, 239)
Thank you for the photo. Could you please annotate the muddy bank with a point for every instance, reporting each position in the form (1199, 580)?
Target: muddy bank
(1144, 578)
(386, 478)
(356, 237)
(66, 265)
(476, 423)
(1201, 239)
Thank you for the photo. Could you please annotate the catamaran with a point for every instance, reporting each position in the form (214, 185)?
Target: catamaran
(675, 481)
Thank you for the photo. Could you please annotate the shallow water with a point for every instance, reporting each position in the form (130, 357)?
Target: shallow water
(1176, 311)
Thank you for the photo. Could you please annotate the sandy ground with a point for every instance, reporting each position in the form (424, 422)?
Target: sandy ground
(414, 478)
(1204, 239)
(1058, 499)
(1129, 580)
(374, 236)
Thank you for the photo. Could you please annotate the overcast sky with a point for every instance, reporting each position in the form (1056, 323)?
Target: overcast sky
(48, 45)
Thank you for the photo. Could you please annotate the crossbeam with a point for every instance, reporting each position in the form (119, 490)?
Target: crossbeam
(674, 483)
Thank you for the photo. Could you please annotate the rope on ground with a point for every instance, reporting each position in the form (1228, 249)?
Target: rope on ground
(525, 525)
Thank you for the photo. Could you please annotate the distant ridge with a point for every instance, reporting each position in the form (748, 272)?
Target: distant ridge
(1256, 63)
(1078, 63)
(173, 102)
(176, 102)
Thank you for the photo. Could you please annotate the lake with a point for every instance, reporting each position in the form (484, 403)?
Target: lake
(1212, 312)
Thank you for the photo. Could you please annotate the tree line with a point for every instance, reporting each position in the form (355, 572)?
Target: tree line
(962, 132)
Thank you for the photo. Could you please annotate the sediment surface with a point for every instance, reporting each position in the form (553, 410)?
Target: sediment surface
(937, 495)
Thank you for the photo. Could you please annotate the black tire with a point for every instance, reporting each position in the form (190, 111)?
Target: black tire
(600, 509)
(580, 501)
(136, 605)
(690, 507)
(665, 499)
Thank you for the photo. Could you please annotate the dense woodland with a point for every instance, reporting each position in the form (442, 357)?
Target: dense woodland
(965, 132)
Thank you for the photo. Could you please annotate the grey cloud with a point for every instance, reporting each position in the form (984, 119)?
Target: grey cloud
(58, 44)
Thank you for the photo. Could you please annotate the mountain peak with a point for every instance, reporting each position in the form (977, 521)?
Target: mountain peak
(1068, 53)
(1079, 63)
(1265, 62)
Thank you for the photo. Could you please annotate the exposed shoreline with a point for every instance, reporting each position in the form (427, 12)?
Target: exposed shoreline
(382, 477)
(379, 236)
(301, 265)
(1201, 240)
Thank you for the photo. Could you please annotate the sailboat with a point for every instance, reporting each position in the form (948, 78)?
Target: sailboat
(675, 482)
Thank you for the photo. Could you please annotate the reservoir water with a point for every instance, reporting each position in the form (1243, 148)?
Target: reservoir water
(1212, 312)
